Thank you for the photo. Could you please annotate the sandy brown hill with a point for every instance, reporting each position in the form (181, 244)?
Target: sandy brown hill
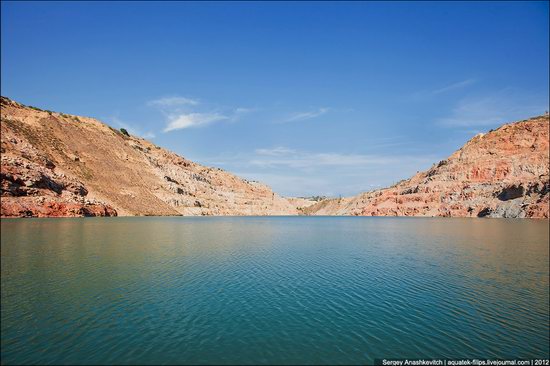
(503, 173)
(55, 164)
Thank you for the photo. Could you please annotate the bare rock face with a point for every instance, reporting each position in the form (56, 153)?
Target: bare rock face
(55, 164)
(503, 173)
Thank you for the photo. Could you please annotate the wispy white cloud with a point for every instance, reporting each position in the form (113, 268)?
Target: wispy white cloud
(504, 106)
(238, 113)
(296, 172)
(307, 160)
(302, 116)
(276, 151)
(173, 102)
(457, 85)
(477, 113)
(286, 157)
(427, 94)
(181, 121)
(182, 112)
(243, 110)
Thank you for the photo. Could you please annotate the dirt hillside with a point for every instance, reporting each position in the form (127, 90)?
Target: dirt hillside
(55, 164)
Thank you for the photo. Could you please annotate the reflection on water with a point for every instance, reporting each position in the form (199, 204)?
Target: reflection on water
(272, 290)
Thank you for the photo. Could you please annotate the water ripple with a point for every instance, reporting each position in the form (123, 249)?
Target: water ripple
(272, 290)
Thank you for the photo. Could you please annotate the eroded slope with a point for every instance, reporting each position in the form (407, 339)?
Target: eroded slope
(503, 173)
(55, 164)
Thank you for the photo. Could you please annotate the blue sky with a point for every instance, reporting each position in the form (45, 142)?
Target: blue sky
(329, 98)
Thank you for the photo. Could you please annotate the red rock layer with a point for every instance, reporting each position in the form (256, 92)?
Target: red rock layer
(503, 173)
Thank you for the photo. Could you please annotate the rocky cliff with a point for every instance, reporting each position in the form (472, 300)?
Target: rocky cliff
(54, 164)
(503, 173)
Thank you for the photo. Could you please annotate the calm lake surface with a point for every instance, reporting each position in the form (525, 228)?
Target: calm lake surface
(278, 290)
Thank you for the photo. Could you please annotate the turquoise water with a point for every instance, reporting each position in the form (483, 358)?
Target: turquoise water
(295, 290)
